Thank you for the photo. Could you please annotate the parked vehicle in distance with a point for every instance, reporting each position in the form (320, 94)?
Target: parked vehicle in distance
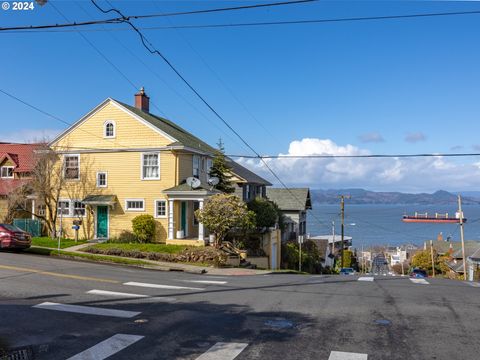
(347, 271)
(12, 237)
(418, 273)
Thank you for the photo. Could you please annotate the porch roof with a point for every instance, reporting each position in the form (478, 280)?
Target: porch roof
(185, 189)
(109, 200)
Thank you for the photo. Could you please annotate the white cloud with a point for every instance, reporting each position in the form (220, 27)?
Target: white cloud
(30, 135)
(372, 137)
(392, 174)
(415, 137)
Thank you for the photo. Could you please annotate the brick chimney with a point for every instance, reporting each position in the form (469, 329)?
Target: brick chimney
(142, 101)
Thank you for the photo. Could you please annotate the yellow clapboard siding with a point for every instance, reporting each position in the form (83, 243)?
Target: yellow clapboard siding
(129, 132)
(123, 170)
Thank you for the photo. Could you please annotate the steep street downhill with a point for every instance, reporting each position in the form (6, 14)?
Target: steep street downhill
(65, 309)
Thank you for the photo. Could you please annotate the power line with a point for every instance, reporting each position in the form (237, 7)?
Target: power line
(217, 76)
(99, 52)
(333, 156)
(40, 28)
(149, 46)
(155, 73)
(124, 18)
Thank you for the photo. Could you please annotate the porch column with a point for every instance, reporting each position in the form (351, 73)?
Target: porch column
(33, 209)
(170, 219)
(200, 225)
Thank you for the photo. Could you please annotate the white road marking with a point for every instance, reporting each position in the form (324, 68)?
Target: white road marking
(419, 281)
(223, 351)
(107, 347)
(474, 284)
(365, 278)
(340, 355)
(89, 310)
(129, 295)
(160, 286)
(217, 282)
(113, 293)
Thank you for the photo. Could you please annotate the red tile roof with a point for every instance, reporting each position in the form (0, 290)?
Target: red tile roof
(21, 154)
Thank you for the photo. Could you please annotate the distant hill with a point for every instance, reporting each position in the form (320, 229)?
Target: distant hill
(361, 196)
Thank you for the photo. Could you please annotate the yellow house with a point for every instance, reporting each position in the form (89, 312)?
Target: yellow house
(120, 161)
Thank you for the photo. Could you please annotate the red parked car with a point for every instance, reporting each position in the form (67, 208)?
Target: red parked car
(12, 237)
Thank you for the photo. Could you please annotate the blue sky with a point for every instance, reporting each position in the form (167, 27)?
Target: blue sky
(391, 86)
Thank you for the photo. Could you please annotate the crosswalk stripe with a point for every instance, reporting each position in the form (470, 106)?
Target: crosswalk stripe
(129, 295)
(214, 282)
(419, 281)
(160, 286)
(107, 347)
(340, 355)
(365, 278)
(223, 351)
(89, 310)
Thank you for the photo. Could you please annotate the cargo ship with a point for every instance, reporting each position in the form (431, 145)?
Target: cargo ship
(438, 218)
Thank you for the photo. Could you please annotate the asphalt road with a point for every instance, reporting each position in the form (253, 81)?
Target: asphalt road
(65, 309)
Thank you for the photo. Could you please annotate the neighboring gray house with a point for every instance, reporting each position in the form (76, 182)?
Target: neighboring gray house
(248, 185)
(293, 203)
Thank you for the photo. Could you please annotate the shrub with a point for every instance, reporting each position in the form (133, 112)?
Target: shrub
(266, 212)
(144, 227)
(126, 237)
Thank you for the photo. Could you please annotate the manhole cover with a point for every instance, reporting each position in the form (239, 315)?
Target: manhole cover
(279, 324)
(140, 321)
(383, 322)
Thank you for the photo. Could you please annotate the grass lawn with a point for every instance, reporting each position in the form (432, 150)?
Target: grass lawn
(53, 243)
(93, 257)
(160, 248)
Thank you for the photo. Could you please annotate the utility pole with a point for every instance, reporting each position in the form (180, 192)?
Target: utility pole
(460, 212)
(431, 254)
(61, 225)
(333, 242)
(362, 270)
(342, 208)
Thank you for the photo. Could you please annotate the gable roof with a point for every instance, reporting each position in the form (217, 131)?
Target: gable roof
(23, 155)
(294, 199)
(247, 175)
(182, 136)
(179, 136)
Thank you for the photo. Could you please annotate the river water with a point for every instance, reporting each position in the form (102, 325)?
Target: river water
(382, 224)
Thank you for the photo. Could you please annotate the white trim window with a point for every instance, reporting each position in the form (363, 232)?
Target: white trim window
(209, 165)
(102, 179)
(150, 166)
(196, 166)
(109, 129)
(78, 208)
(71, 167)
(6, 172)
(134, 205)
(63, 208)
(160, 208)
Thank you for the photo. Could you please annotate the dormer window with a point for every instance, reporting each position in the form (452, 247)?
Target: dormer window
(109, 129)
(6, 172)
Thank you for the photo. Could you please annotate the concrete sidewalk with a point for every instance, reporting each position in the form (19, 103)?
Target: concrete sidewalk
(169, 266)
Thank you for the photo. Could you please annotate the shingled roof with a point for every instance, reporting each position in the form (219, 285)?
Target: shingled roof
(293, 199)
(182, 136)
(21, 154)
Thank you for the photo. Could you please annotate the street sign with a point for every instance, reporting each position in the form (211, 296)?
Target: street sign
(300, 239)
(76, 227)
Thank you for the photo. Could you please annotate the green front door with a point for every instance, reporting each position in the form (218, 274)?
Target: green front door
(102, 222)
(183, 218)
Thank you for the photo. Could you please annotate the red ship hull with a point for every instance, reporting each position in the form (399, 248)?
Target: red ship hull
(414, 219)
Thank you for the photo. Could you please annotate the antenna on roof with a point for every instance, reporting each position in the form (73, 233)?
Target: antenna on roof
(193, 182)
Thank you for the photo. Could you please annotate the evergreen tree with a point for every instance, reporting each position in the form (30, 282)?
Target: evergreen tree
(221, 170)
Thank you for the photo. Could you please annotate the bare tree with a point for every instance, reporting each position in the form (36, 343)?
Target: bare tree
(78, 190)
